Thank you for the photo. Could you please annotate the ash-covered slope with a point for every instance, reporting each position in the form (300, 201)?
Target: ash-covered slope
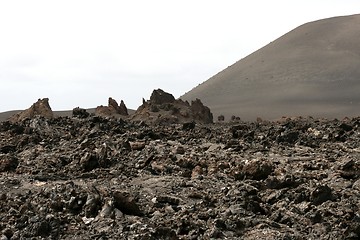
(312, 70)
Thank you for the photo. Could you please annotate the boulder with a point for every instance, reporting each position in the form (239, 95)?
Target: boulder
(321, 194)
(40, 108)
(80, 113)
(160, 97)
(221, 118)
(256, 169)
(8, 163)
(126, 203)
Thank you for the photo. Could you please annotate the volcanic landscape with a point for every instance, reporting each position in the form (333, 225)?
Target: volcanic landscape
(168, 172)
(192, 168)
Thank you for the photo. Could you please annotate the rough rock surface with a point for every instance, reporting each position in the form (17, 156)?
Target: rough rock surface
(40, 108)
(112, 109)
(200, 112)
(163, 108)
(80, 113)
(160, 97)
(100, 178)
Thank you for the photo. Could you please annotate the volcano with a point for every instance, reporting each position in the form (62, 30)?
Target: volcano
(313, 70)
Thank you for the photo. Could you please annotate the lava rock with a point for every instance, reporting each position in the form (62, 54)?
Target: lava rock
(80, 113)
(8, 162)
(126, 204)
(67, 178)
(188, 126)
(160, 97)
(257, 170)
(201, 112)
(321, 194)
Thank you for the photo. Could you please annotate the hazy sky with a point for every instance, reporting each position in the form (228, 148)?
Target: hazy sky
(80, 52)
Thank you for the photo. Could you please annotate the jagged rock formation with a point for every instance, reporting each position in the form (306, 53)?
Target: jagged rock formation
(40, 108)
(160, 97)
(112, 109)
(163, 108)
(201, 112)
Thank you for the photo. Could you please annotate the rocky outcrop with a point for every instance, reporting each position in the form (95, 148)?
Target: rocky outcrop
(40, 108)
(201, 112)
(160, 97)
(163, 108)
(123, 109)
(112, 109)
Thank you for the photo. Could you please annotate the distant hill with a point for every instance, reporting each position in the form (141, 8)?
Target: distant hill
(5, 115)
(66, 113)
(314, 70)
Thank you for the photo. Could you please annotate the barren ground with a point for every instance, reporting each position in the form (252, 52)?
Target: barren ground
(97, 178)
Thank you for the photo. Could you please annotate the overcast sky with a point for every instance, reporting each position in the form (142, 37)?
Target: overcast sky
(80, 52)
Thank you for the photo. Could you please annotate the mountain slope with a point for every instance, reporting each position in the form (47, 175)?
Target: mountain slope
(312, 70)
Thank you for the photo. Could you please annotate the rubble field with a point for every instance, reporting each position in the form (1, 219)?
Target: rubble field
(107, 178)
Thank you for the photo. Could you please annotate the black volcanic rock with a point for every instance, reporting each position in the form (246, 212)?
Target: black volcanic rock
(201, 112)
(8, 162)
(160, 97)
(126, 203)
(106, 178)
(80, 113)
